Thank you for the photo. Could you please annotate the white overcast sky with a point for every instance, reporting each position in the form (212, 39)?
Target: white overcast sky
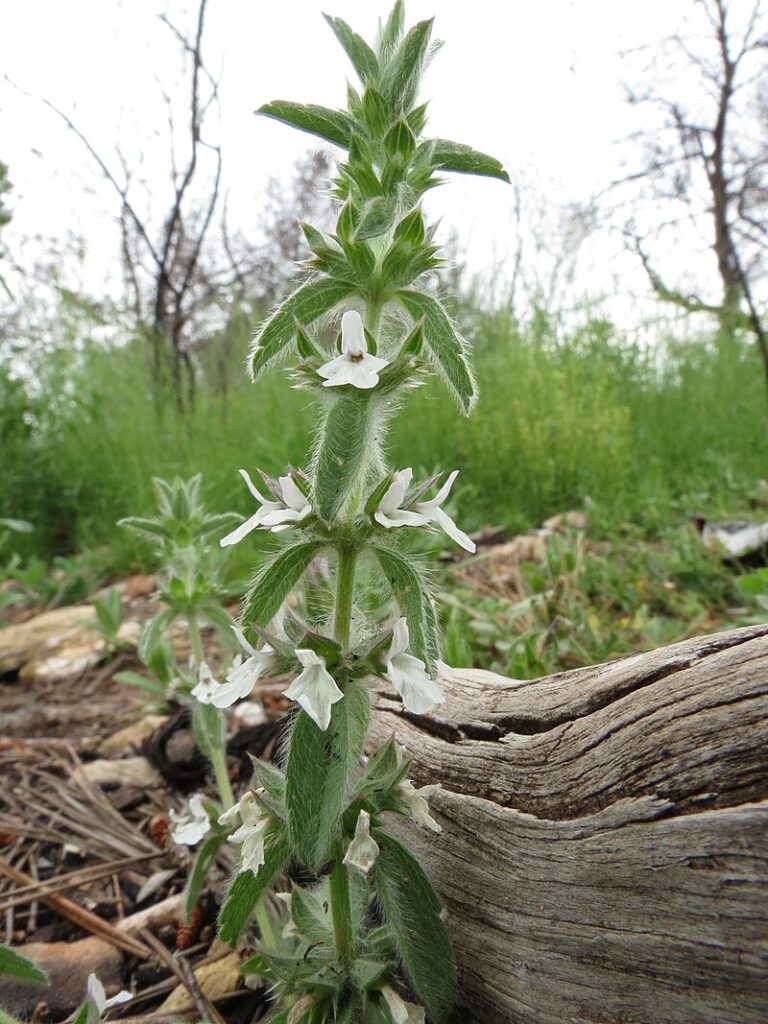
(537, 83)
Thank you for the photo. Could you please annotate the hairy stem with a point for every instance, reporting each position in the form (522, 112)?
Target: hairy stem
(195, 641)
(345, 589)
(219, 762)
(340, 911)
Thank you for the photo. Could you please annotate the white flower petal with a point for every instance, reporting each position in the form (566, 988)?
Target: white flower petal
(241, 639)
(242, 530)
(417, 803)
(333, 366)
(252, 488)
(363, 850)
(292, 496)
(314, 689)
(205, 686)
(401, 1011)
(192, 825)
(449, 527)
(353, 340)
(400, 517)
(394, 494)
(401, 638)
(408, 676)
(442, 494)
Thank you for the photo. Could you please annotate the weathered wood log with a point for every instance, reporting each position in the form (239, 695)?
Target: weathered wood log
(604, 855)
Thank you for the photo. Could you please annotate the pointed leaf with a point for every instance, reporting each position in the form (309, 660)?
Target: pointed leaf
(446, 347)
(392, 31)
(318, 773)
(455, 156)
(400, 79)
(205, 857)
(14, 965)
(332, 125)
(154, 631)
(412, 912)
(378, 215)
(247, 889)
(306, 304)
(276, 580)
(364, 60)
(412, 595)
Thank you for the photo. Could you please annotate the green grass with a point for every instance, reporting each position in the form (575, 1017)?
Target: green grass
(646, 438)
(649, 438)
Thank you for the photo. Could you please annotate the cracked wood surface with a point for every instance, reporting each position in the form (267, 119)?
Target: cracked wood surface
(604, 855)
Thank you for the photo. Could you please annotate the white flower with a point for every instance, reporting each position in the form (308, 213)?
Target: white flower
(98, 996)
(402, 1012)
(314, 689)
(192, 826)
(389, 514)
(289, 928)
(431, 510)
(243, 674)
(363, 850)
(416, 799)
(355, 365)
(408, 674)
(206, 684)
(251, 833)
(274, 515)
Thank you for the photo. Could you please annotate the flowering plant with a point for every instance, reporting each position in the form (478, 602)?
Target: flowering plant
(366, 940)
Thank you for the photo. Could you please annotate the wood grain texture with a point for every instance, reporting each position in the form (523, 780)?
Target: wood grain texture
(604, 855)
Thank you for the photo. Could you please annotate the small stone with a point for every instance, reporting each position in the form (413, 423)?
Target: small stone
(68, 965)
(138, 586)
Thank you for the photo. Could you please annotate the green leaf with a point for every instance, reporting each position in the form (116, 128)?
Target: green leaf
(377, 217)
(311, 915)
(271, 779)
(306, 304)
(203, 860)
(150, 527)
(364, 60)
(219, 617)
(276, 580)
(376, 114)
(14, 965)
(151, 686)
(154, 631)
(401, 77)
(247, 889)
(446, 347)
(332, 125)
(455, 156)
(412, 911)
(399, 141)
(392, 32)
(412, 595)
(318, 771)
(342, 454)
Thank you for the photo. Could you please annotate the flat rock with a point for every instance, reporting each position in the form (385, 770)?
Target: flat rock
(215, 979)
(68, 965)
(129, 771)
(44, 635)
(127, 741)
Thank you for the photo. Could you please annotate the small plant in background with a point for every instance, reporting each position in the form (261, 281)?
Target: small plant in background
(109, 619)
(367, 938)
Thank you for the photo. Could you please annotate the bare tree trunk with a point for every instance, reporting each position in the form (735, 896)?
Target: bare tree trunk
(604, 855)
